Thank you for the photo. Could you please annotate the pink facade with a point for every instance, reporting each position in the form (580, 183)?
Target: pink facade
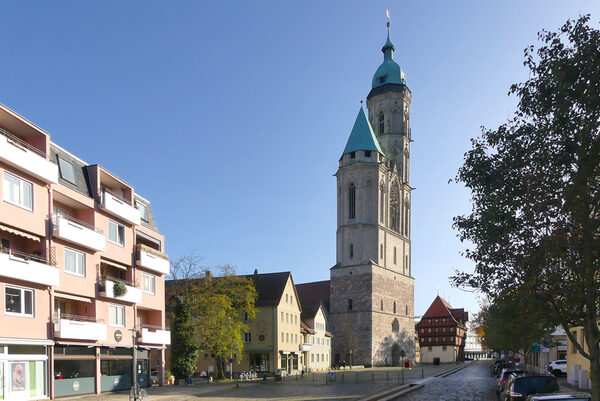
(82, 269)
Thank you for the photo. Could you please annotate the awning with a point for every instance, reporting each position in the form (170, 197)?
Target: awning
(117, 265)
(147, 237)
(19, 232)
(73, 297)
(25, 341)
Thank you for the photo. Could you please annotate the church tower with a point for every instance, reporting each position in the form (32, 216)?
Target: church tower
(372, 288)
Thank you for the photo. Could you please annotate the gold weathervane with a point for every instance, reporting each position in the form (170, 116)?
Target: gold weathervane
(388, 17)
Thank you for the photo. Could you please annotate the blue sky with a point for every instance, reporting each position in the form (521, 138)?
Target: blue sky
(230, 116)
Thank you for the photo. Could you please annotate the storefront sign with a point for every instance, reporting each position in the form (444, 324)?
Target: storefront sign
(116, 381)
(75, 386)
(118, 336)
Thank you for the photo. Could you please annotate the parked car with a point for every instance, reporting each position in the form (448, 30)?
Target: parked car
(560, 397)
(520, 386)
(558, 367)
(503, 378)
(498, 366)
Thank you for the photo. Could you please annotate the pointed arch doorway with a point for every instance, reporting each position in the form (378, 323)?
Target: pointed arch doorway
(396, 355)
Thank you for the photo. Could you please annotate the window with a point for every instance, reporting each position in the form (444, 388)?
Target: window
(74, 262)
(406, 310)
(312, 357)
(350, 304)
(394, 255)
(17, 191)
(352, 202)
(295, 319)
(67, 172)
(351, 251)
(246, 316)
(395, 208)
(286, 298)
(381, 307)
(143, 210)
(287, 337)
(406, 215)
(367, 153)
(381, 122)
(282, 338)
(318, 355)
(406, 264)
(18, 301)
(149, 283)
(281, 317)
(381, 205)
(116, 315)
(247, 337)
(116, 233)
(394, 306)
(287, 317)
(381, 251)
(352, 155)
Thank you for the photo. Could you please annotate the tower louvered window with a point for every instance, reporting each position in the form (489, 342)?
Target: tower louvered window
(406, 216)
(381, 122)
(381, 205)
(352, 202)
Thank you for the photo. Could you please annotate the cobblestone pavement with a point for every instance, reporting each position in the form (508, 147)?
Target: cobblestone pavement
(348, 386)
(473, 383)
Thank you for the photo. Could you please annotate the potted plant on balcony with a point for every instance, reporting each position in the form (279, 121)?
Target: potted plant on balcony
(119, 288)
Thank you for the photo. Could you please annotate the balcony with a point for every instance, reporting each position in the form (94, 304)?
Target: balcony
(152, 259)
(26, 157)
(305, 347)
(32, 268)
(155, 335)
(120, 208)
(80, 328)
(132, 294)
(78, 232)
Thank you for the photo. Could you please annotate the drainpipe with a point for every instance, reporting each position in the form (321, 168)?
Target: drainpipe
(50, 352)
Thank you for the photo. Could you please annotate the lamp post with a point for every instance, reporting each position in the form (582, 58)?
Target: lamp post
(133, 338)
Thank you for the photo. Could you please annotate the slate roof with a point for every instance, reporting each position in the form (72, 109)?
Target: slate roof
(270, 287)
(82, 183)
(362, 136)
(314, 293)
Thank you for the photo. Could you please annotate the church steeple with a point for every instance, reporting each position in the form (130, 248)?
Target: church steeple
(362, 136)
(389, 72)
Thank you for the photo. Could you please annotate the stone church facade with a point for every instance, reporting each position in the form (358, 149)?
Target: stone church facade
(371, 286)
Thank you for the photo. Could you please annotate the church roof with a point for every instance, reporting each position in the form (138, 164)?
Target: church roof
(362, 136)
(389, 72)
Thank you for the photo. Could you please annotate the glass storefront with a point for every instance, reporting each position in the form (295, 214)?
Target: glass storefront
(23, 372)
(74, 370)
(259, 362)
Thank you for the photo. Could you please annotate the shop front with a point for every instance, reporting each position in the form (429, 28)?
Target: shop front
(23, 370)
(115, 368)
(259, 362)
(143, 367)
(288, 361)
(74, 370)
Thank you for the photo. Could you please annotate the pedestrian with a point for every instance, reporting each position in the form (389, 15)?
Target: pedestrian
(188, 378)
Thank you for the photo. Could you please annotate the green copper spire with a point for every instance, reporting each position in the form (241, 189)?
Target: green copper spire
(388, 72)
(362, 136)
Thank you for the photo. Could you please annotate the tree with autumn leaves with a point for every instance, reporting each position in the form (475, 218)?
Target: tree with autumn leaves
(535, 184)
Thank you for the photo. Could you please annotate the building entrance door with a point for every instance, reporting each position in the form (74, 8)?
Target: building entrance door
(395, 355)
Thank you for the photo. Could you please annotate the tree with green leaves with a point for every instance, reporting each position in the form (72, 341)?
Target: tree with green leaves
(184, 349)
(512, 324)
(535, 183)
(221, 307)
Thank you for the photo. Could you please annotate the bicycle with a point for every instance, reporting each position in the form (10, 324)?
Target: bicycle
(137, 393)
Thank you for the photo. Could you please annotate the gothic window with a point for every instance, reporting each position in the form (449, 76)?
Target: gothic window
(406, 165)
(381, 122)
(381, 204)
(406, 264)
(395, 208)
(395, 326)
(352, 202)
(406, 214)
(394, 306)
(396, 120)
(406, 310)
(394, 255)
(381, 305)
(351, 251)
(381, 251)
(350, 304)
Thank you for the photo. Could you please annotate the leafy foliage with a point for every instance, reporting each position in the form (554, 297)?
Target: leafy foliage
(184, 349)
(535, 184)
(119, 288)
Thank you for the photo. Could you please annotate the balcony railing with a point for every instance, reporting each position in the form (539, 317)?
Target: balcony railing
(154, 327)
(132, 294)
(50, 261)
(151, 334)
(56, 216)
(80, 318)
(128, 283)
(22, 144)
(115, 195)
(152, 259)
(80, 327)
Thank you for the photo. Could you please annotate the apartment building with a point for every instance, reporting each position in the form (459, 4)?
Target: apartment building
(317, 340)
(82, 269)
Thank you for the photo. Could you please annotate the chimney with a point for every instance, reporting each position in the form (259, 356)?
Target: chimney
(256, 272)
(208, 275)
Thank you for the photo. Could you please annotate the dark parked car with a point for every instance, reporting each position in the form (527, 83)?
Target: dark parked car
(498, 366)
(560, 397)
(503, 378)
(519, 386)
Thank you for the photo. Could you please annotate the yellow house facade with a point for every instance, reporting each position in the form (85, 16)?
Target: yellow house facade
(578, 366)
